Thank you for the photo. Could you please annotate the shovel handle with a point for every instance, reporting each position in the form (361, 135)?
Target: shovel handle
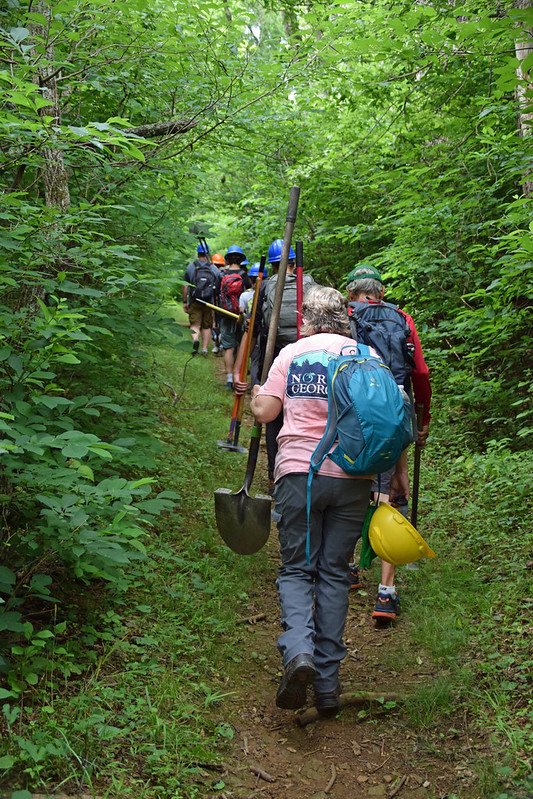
(299, 285)
(255, 438)
(416, 467)
(294, 196)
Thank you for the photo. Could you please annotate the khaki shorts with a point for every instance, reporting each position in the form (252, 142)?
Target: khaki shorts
(201, 316)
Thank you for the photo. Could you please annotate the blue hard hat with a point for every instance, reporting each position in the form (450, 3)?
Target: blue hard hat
(234, 250)
(254, 270)
(274, 252)
(202, 249)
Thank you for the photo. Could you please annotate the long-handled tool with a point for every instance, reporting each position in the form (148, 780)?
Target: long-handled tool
(416, 467)
(220, 310)
(299, 285)
(203, 244)
(232, 442)
(416, 478)
(244, 521)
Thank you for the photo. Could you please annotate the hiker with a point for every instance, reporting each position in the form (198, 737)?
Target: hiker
(393, 334)
(246, 298)
(313, 590)
(234, 282)
(287, 330)
(204, 279)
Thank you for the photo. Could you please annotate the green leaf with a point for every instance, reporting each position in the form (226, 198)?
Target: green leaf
(7, 577)
(67, 358)
(16, 363)
(10, 620)
(6, 762)
(53, 402)
(19, 34)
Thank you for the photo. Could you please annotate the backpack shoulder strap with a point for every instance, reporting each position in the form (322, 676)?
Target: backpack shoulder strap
(319, 455)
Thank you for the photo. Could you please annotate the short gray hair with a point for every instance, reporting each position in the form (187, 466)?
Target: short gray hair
(324, 310)
(366, 285)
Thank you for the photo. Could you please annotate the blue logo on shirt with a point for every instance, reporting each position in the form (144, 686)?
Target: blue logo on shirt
(307, 375)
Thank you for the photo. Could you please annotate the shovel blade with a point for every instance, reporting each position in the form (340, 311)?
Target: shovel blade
(232, 448)
(243, 521)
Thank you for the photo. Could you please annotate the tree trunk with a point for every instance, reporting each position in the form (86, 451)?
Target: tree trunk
(524, 48)
(54, 173)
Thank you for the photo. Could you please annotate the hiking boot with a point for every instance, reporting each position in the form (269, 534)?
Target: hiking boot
(355, 580)
(229, 385)
(195, 346)
(387, 607)
(204, 353)
(298, 674)
(327, 702)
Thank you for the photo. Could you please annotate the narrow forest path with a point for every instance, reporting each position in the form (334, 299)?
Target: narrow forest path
(365, 751)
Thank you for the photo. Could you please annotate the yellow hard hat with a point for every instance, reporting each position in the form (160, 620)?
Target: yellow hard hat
(394, 539)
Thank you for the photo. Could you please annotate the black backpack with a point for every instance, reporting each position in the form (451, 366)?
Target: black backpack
(204, 282)
(382, 326)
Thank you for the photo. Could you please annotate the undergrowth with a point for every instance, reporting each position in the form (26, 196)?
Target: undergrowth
(471, 606)
(128, 684)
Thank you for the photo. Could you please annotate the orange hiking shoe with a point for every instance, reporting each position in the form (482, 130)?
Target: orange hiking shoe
(355, 580)
(387, 607)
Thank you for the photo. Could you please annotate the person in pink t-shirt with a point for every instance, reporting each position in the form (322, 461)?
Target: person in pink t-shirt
(313, 591)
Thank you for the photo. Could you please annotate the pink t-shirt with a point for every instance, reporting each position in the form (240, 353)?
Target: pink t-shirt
(298, 377)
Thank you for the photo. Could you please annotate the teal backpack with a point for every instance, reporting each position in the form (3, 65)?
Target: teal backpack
(369, 416)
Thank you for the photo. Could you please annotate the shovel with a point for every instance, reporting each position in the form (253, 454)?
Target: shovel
(244, 521)
(232, 442)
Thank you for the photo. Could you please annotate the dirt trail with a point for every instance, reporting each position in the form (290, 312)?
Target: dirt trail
(362, 753)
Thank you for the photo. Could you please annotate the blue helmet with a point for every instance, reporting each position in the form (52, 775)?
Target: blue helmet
(254, 270)
(234, 250)
(274, 252)
(203, 249)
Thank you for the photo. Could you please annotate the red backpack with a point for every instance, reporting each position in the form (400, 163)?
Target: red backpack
(231, 288)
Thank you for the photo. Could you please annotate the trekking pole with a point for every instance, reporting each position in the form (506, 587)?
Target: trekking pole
(416, 467)
(299, 285)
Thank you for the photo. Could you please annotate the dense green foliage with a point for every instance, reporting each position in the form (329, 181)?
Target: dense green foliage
(122, 124)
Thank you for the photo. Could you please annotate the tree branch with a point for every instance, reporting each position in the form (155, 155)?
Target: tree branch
(168, 128)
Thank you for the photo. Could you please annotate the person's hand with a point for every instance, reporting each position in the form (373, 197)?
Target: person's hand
(423, 436)
(239, 387)
(399, 484)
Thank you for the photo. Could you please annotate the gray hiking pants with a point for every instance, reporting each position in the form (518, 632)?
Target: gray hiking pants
(314, 597)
